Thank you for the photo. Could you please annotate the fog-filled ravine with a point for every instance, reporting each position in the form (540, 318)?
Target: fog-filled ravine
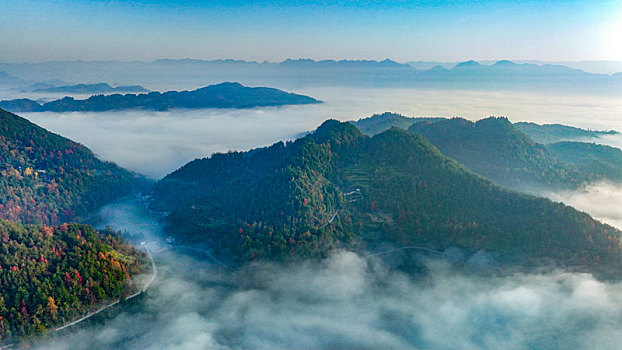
(155, 143)
(347, 300)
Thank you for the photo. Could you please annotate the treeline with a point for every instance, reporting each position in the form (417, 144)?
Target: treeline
(54, 272)
(51, 275)
(224, 95)
(518, 156)
(494, 148)
(46, 178)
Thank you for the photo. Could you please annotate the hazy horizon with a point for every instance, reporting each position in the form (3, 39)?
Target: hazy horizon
(139, 141)
(264, 30)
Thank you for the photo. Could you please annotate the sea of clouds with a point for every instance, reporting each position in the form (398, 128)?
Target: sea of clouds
(347, 300)
(155, 143)
(354, 300)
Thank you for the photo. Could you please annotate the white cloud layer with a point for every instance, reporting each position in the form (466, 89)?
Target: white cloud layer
(601, 200)
(155, 143)
(347, 301)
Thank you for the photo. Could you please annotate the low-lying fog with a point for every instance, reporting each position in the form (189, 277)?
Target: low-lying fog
(155, 143)
(349, 301)
(601, 200)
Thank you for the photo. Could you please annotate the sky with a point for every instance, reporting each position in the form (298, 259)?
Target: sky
(402, 30)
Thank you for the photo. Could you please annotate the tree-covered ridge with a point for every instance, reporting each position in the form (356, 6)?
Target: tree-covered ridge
(337, 187)
(550, 133)
(494, 148)
(98, 88)
(543, 134)
(266, 202)
(51, 275)
(224, 95)
(378, 123)
(598, 162)
(49, 179)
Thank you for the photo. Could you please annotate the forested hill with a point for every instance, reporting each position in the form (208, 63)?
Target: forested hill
(99, 88)
(51, 275)
(494, 148)
(598, 162)
(378, 123)
(337, 187)
(224, 95)
(543, 134)
(550, 133)
(49, 179)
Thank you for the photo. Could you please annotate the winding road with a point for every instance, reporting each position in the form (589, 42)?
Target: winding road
(153, 277)
(413, 247)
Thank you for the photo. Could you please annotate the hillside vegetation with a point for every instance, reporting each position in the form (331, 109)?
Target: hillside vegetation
(495, 149)
(224, 95)
(339, 188)
(51, 275)
(49, 179)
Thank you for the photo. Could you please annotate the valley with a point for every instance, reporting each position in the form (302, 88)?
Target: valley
(357, 185)
(226, 175)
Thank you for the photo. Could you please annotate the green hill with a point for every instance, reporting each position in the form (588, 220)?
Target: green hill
(49, 179)
(50, 275)
(99, 88)
(599, 162)
(495, 149)
(224, 95)
(550, 133)
(378, 123)
(339, 188)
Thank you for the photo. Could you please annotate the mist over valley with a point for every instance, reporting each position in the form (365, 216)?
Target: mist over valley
(310, 175)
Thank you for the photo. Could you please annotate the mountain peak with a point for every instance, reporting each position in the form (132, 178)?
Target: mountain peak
(335, 132)
(504, 63)
(467, 64)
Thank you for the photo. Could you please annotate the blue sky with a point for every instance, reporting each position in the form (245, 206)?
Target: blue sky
(35, 30)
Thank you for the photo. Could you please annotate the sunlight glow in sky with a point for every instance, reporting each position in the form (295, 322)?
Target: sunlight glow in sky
(38, 30)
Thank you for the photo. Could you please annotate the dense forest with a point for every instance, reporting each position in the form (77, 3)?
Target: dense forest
(508, 154)
(539, 133)
(50, 275)
(378, 123)
(224, 95)
(550, 133)
(99, 88)
(494, 148)
(598, 162)
(49, 179)
(339, 188)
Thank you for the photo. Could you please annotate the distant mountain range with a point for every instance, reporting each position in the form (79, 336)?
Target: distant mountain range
(291, 74)
(91, 89)
(224, 95)
(597, 67)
